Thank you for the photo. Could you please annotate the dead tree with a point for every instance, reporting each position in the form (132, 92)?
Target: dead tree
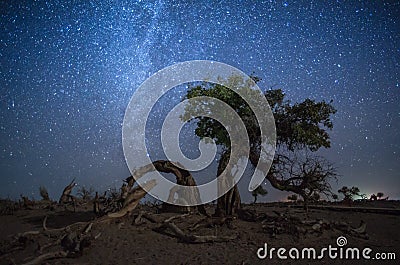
(44, 194)
(72, 239)
(26, 203)
(66, 195)
(133, 198)
(305, 175)
(96, 204)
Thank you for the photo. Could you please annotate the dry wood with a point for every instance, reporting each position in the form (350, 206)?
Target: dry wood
(210, 222)
(133, 199)
(46, 246)
(175, 217)
(138, 219)
(188, 238)
(47, 256)
(66, 195)
(284, 223)
(65, 229)
(229, 203)
(149, 217)
(183, 177)
(73, 238)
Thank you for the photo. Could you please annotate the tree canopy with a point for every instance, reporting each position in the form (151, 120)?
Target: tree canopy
(300, 126)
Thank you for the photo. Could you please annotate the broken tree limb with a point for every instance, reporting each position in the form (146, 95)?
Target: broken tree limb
(361, 229)
(46, 246)
(65, 229)
(66, 195)
(211, 222)
(188, 238)
(176, 217)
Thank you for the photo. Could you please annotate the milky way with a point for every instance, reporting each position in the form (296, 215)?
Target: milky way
(69, 69)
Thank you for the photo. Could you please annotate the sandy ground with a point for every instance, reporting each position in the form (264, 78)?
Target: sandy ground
(124, 242)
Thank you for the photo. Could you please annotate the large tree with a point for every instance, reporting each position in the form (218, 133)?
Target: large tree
(299, 126)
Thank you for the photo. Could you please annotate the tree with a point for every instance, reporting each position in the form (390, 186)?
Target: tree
(258, 191)
(44, 194)
(85, 193)
(310, 174)
(299, 126)
(315, 197)
(66, 194)
(380, 195)
(349, 193)
(335, 197)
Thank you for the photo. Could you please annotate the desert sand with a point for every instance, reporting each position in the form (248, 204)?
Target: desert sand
(138, 239)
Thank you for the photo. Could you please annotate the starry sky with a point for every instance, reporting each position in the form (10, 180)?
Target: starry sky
(69, 68)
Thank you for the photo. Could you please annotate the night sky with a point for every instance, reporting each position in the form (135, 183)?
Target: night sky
(69, 68)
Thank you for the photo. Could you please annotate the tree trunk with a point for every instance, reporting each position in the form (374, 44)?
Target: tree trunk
(255, 199)
(229, 203)
(305, 199)
(183, 177)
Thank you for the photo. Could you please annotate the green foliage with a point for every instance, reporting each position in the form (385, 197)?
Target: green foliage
(211, 128)
(380, 195)
(349, 193)
(258, 191)
(304, 125)
(298, 126)
(301, 126)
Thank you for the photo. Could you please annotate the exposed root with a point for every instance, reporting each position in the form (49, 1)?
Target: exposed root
(175, 217)
(48, 245)
(283, 223)
(188, 238)
(47, 256)
(211, 222)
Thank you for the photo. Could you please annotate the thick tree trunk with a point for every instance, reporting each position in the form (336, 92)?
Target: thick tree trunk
(183, 177)
(229, 203)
